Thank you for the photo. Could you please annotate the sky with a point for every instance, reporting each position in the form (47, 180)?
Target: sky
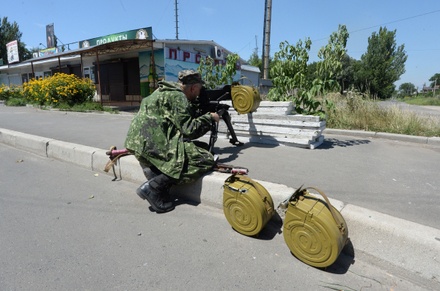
(237, 25)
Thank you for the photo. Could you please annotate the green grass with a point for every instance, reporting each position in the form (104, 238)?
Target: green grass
(357, 113)
(421, 100)
(15, 102)
(86, 107)
(83, 107)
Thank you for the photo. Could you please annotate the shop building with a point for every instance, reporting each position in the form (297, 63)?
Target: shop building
(126, 66)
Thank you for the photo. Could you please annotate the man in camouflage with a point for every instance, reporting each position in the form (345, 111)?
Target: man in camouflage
(160, 136)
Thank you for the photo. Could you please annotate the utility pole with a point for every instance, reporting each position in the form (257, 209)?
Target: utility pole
(177, 19)
(266, 37)
(256, 46)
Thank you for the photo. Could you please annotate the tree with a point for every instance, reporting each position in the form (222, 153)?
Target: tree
(216, 75)
(360, 77)
(289, 70)
(382, 64)
(10, 32)
(407, 89)
(256, 61)
(293, 81)
(330, 68)
(347, 75)
(332, 55)
(435, 80)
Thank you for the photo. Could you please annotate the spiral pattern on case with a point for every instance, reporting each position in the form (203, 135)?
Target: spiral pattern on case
(243, 102)
(243, 216)
(310, 243)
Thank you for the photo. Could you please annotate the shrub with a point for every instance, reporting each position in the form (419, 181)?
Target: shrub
(356, 112)
(7, 92)
(16, 102)
(59, 89)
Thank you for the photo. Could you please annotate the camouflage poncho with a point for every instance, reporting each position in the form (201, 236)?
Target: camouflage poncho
(156, 134)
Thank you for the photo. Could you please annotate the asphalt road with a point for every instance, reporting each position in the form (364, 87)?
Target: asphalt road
(393, 177)
(65, 228)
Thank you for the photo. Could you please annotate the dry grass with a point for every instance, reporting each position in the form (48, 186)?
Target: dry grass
(357, 113)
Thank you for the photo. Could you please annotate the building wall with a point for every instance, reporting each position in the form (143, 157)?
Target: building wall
(173, 57)
(180, 57)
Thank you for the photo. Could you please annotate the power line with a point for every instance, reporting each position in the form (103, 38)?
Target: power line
(399, 20)
(390, 22)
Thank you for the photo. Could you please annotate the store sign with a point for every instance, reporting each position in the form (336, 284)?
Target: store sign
(142, 33)
(48, 52)
(184, 56)
(12, 50)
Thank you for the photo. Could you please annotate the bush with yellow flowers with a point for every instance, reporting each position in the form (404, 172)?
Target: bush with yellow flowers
(59, 89)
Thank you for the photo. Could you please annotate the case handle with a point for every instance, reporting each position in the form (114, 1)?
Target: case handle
(330, 207)
(249, 181)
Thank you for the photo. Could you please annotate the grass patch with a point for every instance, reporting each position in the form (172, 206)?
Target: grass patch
(86, 107)
(421, 100)
(354, 112)
(15, 102)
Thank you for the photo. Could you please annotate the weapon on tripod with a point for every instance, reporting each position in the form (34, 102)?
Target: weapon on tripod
(245, 99)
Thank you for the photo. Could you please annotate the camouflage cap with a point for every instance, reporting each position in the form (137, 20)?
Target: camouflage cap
(190, 77)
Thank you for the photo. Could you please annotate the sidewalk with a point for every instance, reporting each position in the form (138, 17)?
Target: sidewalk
(404, 244)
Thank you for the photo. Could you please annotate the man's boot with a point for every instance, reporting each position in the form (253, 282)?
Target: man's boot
(155, 191)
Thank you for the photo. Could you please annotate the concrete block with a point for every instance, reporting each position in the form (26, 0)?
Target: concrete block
(268, 107)
(23, 141)
(403, 137)
(435, 141)
(357, 133)
(207, 190)
(73, 153)
(393, 239)
(127, 167)
(8, 136)
(293, 130)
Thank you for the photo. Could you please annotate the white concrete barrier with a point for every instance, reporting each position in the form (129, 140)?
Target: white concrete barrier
(73, 153)
(274, 123)
(31, 143)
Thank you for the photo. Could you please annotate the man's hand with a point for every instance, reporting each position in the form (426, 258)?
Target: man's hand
(215, 116)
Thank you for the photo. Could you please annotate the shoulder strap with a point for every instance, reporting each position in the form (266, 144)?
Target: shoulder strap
(330, 207)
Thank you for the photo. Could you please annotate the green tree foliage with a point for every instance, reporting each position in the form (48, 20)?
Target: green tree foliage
(407, 89)
(346, 77)
(289, 70)
(256, 61)
(10, 32)
(381, 65)
(216, 75)
(435, 80)
(293, 81)
(330, 68)
(332, 55)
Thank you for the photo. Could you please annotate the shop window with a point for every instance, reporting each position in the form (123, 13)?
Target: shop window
(89, 72)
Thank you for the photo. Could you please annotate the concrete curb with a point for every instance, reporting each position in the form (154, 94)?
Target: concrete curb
(434, 141)
(371, 232)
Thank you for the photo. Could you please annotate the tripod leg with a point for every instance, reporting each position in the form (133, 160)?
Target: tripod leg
(227, 118)
(213, 137)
